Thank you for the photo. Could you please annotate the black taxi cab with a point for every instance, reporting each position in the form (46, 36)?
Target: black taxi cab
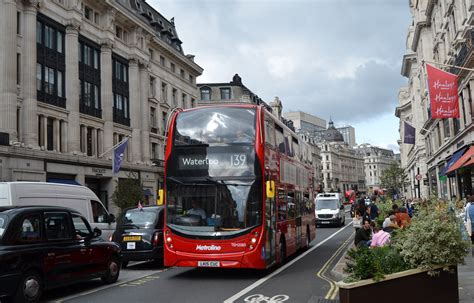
(43, 247)
(139, 233)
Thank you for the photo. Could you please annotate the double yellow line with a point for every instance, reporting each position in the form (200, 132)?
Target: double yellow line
(333, 291)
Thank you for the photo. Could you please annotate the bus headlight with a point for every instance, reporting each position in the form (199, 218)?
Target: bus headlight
(168, 239)
(253, 240)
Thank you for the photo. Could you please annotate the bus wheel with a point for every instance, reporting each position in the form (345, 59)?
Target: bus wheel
(282, 252)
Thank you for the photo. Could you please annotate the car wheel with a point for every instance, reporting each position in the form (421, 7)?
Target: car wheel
(30, 288)
(124, 264)
(113, 271)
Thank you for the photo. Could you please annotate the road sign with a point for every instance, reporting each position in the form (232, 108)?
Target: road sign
(419, 177)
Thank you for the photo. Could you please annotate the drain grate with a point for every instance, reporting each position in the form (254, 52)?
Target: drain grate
(327, 301)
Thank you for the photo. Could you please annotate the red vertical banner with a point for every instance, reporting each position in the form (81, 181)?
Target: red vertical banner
(443, 91)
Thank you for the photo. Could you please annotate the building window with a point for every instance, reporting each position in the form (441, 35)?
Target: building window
(120, 90)
(205, 94)
(181, 72)
(121, 33)
(88, 12)
(18, 69)
(152, 86)
(191, 79)
(51, 63)
(164, 92)
(447, 131)
(225, 93)
(456, 125)
(152, 55)
(152, 117)
(175, 97)
(18, 23)
(154, 150)
(173, 68)
(49, 134)
(193, 102)
(162, 61)
(183, 98)
(89, 76)
(163, 121)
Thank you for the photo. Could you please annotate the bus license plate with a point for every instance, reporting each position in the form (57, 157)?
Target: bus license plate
(131, 245)
(325, 222)
(209, 264)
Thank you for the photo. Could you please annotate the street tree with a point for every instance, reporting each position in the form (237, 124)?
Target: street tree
(127, 193)
(393, 179)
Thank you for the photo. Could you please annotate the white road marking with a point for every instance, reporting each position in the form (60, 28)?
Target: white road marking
(276, 272)
(82, 294)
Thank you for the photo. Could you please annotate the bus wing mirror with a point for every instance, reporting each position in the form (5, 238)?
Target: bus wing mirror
(270, 185)
(159, 201)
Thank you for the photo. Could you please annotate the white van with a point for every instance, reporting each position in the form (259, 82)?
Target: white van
(77, 197)
(329, 209)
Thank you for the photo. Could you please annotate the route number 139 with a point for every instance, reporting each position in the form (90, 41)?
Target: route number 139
(238, 160)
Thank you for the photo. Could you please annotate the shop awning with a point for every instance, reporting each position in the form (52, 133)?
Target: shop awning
(63, 181)
(451, 161)
(466, 157)
(470, 162)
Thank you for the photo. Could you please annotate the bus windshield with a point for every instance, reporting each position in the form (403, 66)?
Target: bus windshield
(210, 125)
(203, 207)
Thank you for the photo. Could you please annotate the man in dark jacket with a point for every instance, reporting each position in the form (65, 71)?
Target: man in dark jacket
(362, 236)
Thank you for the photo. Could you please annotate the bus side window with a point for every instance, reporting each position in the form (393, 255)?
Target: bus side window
(291, 205)
(280, 138)
(269, 132)
(282, 206)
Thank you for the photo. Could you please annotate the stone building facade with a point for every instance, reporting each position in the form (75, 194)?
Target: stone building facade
(342, 167)
(76, 78)
(441, 32)
(232, 92)
(376, 160)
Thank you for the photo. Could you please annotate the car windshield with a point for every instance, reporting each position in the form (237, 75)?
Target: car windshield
(326, 204)
(139, 217)
(210, 205)
(3, 224)
(211, 125)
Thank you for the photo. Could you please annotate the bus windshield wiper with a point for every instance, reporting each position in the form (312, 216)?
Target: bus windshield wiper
(175, 180)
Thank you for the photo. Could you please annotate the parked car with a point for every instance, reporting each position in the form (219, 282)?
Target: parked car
(329, 209)
(140, 234)
(76, 197)
(43, 247)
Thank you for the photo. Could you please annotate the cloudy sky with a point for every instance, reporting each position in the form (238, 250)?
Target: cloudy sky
(330, 58)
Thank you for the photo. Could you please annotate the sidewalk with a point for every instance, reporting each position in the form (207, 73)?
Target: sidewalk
(466, 279)
(465, 276)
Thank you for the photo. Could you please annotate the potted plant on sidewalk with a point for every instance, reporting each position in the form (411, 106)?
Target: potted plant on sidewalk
(430, 248)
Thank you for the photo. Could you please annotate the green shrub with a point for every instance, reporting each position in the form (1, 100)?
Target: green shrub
(373, 263)
(434, 238)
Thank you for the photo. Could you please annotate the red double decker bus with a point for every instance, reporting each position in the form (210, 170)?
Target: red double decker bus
(238, 189)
